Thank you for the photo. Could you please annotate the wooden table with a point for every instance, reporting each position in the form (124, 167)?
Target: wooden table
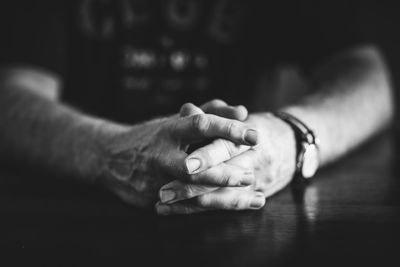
(349, 215)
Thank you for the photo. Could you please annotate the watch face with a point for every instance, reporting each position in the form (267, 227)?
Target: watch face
(310, 161)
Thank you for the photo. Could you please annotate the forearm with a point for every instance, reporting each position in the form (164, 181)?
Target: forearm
(40, 131)
(353, 102)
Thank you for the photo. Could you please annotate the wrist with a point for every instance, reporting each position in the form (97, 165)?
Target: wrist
(307, 145)
(92, 153)
(288, 143)
(277, 135)
(120, 151)
(318, 122)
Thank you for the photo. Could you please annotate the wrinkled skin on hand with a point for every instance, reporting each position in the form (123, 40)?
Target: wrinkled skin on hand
(272, 161)
(274, 158)
(138, 160)
(134, 167)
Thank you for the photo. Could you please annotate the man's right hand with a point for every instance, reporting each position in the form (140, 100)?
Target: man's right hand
(136, 161)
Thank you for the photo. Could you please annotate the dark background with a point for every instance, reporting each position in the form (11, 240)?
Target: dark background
(349, 215)
(264, 38)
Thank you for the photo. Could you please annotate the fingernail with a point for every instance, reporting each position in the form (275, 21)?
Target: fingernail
(163, 209)
(192, 165)
(167, 195)
(258, 201)
(251, 137)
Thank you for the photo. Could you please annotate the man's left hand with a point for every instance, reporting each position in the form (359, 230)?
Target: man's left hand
(272, 161)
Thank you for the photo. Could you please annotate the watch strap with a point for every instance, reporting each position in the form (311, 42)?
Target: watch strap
(301, 129)
(304, 137)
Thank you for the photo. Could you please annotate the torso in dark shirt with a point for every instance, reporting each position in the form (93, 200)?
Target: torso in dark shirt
(130, 60)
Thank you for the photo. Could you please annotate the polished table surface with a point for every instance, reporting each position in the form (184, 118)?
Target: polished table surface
(349, 215)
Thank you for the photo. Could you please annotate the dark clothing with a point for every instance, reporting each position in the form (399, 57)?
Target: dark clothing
(130, 60)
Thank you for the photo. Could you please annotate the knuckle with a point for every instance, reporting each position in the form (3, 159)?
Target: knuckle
(188, 191)
(200, 122)
(229, 128)
(235, 202)
(203, 201)
(225, 178)
(232, 128)
(185, 107)
(187, 104)
(217, 102)
(241, 107)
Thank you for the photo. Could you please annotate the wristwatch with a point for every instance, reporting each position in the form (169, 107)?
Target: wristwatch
(307, 158)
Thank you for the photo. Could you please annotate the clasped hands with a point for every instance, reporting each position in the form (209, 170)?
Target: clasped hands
(242, 160)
